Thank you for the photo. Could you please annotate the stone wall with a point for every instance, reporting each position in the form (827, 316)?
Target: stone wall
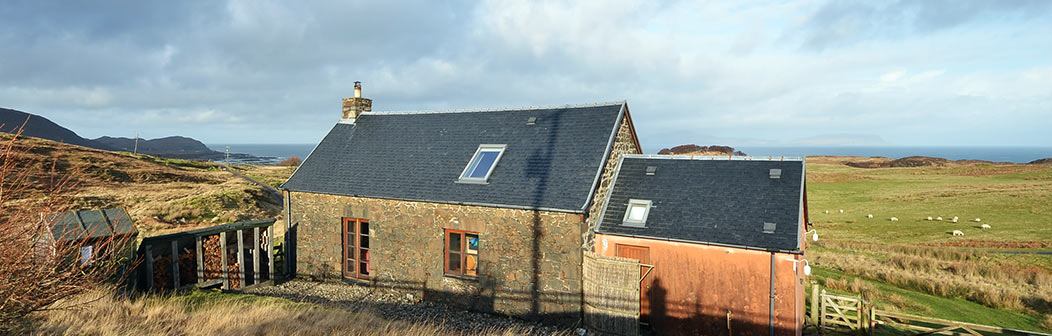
(529, 261)
(624, 144)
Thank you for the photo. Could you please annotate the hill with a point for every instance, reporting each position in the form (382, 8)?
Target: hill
(161, 146)
(161, 195)
(40, 127)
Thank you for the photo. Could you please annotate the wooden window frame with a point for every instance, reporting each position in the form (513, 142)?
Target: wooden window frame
(463, 251)
(355, 224)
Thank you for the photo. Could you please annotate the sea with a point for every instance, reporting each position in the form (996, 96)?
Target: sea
(273, 153)
(985, 153)
(263, 153)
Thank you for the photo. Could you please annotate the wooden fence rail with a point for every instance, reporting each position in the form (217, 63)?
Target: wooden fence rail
(844, 314)
(933, 326)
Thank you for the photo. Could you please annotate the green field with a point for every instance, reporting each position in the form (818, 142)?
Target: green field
(917, 266)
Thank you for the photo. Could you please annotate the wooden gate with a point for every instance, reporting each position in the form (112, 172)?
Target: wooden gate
(836, 312)
(611, 294)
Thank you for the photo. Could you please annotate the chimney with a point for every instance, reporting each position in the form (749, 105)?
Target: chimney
(354, 106)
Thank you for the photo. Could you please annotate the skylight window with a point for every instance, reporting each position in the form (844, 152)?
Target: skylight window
(482, 164)
(637, 213)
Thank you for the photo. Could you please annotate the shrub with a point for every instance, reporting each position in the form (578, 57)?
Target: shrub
(38, 272)
(291, 161)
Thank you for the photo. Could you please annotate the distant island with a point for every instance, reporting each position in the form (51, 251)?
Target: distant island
(693, 149)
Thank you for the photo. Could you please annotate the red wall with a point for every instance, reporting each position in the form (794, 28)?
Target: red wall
(694, 286)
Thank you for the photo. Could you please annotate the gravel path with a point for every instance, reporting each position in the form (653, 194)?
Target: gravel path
(393, 306)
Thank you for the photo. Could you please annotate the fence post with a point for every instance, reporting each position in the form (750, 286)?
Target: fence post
(814, 306)
(200, 261)
(872, 319)
(222, 255)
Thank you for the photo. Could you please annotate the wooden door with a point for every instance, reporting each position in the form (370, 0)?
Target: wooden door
(642, 254)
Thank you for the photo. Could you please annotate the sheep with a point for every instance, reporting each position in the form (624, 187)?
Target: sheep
(938, 218)
(894, 219)
(978, 220)
(984, 226)
(841, 210)
(954, 219)
(958, 233)
(929, 217)
(827, 211)
(869, 216)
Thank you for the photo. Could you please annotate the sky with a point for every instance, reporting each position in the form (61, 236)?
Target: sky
(794, 73)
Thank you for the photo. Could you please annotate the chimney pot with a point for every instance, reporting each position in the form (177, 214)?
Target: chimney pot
(355, 106)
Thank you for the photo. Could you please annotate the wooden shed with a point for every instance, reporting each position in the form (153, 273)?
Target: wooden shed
(719, 240)
(234, 256)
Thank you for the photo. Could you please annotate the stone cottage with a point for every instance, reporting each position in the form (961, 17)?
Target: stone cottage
(488, 208)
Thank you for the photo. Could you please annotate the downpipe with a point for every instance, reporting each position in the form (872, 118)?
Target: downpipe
(772, 295)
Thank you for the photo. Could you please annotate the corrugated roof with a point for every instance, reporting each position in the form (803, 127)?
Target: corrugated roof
(710, 201)
(76, 225)
(419, 156)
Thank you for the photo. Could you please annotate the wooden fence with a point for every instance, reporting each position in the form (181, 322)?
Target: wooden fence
(852, 315)
(234, 256)
(611, 294)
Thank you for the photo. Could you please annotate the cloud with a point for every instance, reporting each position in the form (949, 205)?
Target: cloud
(840, 23)
(761, 72)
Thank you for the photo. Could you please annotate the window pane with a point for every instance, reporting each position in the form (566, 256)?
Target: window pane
(363, 241)
(363, 255)
(471, 265)
(364, 228)
(350, 241)
(473, 243)
(454, 262)
(636, 211)
(363, 268)
(483, 163)
(454, 242)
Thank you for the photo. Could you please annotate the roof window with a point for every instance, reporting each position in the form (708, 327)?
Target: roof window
(769, 227)
(637, 213)
(651, 170)
(531, 121)
(776, 173)
(482, 164)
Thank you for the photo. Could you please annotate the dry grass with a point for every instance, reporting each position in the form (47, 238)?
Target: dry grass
(160, 194)
(1047, 323)
(959, 276)
(224, 314)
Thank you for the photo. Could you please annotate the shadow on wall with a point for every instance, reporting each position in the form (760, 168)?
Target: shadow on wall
(731, 322)
(538, 166)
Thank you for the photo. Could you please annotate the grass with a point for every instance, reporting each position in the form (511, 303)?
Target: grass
(272, 176)
(214, 313)
(161, 195)
(891, 298)
(917, 266)
(1013, 199)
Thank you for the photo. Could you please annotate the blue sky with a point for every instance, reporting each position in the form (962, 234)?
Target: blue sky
(735, 73)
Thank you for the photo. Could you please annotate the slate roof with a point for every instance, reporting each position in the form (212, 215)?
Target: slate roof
(713, 201)
(419, 156)
(89, 224)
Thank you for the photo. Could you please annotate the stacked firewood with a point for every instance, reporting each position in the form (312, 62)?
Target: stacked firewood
(162, 272)
(212, 258)
(233, 267)
(187, 267)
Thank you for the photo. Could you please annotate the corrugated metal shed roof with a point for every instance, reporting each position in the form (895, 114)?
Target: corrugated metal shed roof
(88, 224)
(710, 201)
